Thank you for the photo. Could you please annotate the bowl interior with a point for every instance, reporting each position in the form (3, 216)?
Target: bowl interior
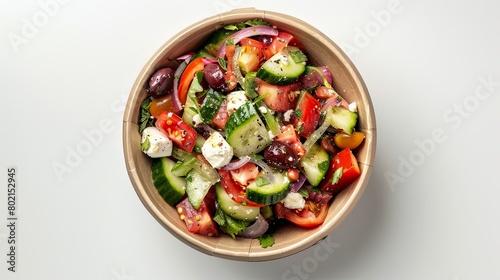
(289, 239)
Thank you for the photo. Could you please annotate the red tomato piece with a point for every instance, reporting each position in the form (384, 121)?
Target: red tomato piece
(346, 160)
(289, 136)
(245, 174)
(311, 215)
(229, 75)
(279, 42)
(278, 98)
(221, 116)
(197, 221)
(308, 113)
(177, 130)
(234, 190)
(187, 77)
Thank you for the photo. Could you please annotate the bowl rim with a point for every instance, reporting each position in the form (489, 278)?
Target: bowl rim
(130, 119)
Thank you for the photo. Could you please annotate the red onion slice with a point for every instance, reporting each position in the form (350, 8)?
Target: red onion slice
(245, 33)
(258, 228)
(266, 168)
(176, 102)
(236, 164)
(295, 186)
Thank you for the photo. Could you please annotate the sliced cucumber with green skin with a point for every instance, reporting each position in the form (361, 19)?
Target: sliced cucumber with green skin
(182, 168)
(202, 53)
(197, 186)
(211, 104)
(314, 164)
(216, 39)
(234, 209)
(246, 132)
(342, 118)
(269, 193)
(170, 187)
(281, 68)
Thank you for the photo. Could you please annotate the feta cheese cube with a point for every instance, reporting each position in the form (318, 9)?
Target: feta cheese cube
(294, 200)
(234, 100)
(155, 143)
(216, 150)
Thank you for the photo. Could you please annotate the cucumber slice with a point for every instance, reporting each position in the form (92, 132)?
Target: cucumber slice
(197, 187)
(281, 68)
(269, 193)
(211, 105)
(216, 39)
(314, 164)
(182, 168)
(342, 118)
(246, 132)
(170, 187)
(234, 209)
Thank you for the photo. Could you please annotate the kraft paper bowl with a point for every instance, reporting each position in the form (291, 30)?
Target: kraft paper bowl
(290, 239)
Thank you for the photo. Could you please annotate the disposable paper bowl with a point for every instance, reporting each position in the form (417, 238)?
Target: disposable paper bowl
(289, 239)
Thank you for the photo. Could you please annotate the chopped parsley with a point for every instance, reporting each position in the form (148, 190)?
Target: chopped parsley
(337, 175)
(261, 181)
(145, 119)
(298, 56)
(266, 240)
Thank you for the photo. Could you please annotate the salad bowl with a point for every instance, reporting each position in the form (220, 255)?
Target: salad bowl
(288, 239)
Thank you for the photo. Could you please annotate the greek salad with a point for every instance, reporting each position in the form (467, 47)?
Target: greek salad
(245, 135)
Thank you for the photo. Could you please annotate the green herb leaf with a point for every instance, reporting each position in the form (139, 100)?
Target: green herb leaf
(337, 175)
(297, 113)
(222, 63)
(261, 181)
(298, 56)
(266, 240)
(323, 166)
(145, 119)
(257, 22)
(146, 144)
(303, 192)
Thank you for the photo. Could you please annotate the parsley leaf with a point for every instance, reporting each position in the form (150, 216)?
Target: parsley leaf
(261, 181)
(146, 144)
(145, 119)
(266, 240)
(337, 175)
(298, 56)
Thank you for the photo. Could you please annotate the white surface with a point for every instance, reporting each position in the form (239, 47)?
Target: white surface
(70, 77)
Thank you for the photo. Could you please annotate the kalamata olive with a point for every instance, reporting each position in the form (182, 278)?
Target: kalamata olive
(214, 75)
(328, 143)
(280, 155)
(161, 82)
(266, 39)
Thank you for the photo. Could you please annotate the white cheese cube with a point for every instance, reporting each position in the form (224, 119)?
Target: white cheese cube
(155, 143)
(216, 150)
(294, 200)
(234, 100)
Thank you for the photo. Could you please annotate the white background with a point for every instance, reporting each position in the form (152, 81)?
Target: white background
(430, 211)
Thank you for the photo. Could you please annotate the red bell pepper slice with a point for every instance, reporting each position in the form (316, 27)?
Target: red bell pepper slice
(350, 171)
(188, 76)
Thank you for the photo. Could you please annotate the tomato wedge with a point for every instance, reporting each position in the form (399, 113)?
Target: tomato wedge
(234, 190)
(188, 76)
(177, 130)
(350, 171)
(280, 42)
(308, 113)
(311, 215)
(289, 136)
(197, 221)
